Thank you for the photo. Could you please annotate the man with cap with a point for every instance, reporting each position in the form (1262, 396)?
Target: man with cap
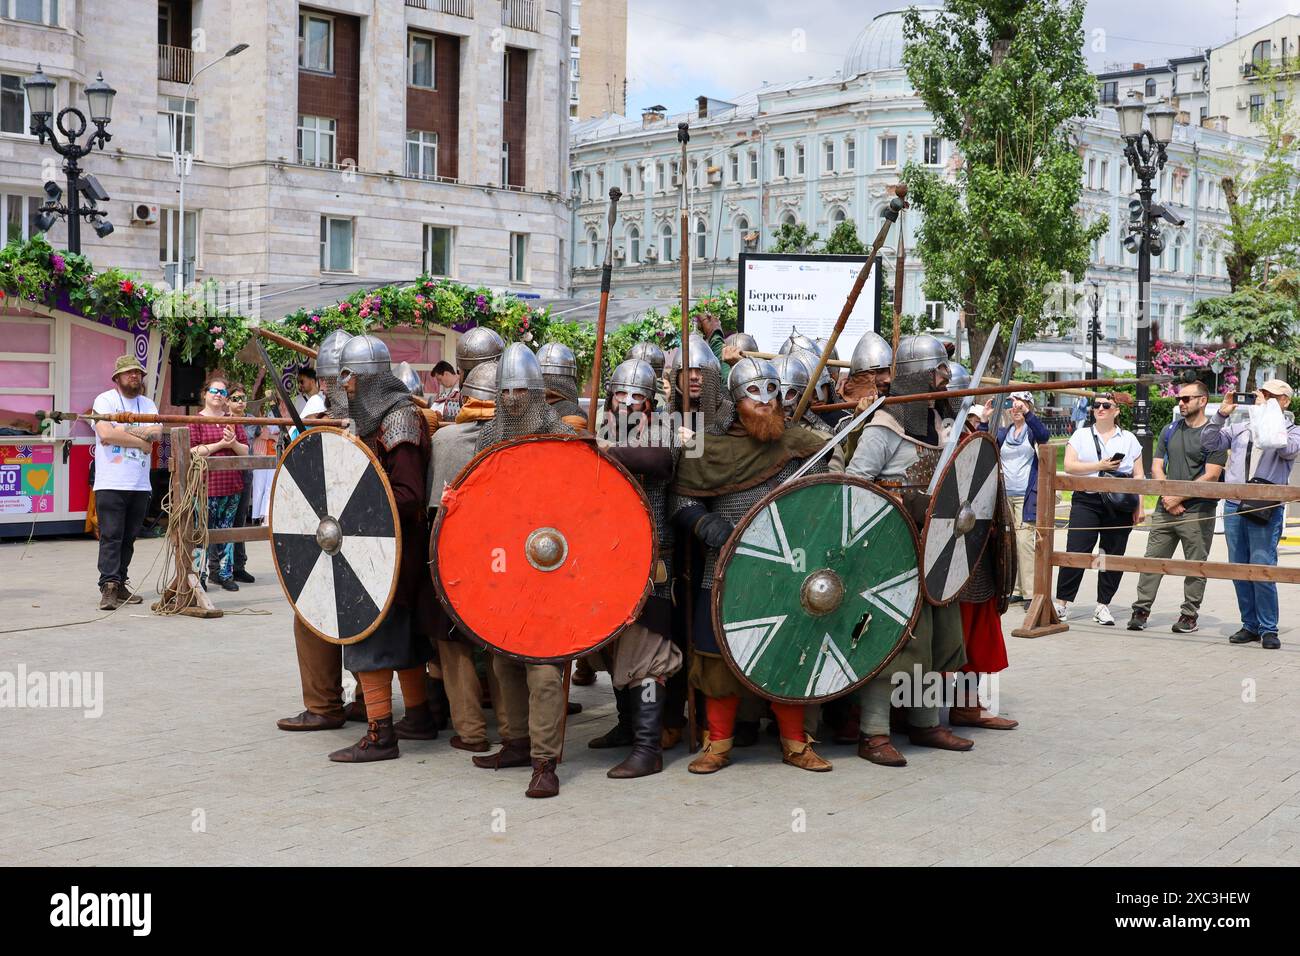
(390, 425)
(899, 449)
(532, 720)
(320, 663)
(711, 493)
(122, 457)
(453, 447)
(1251, 540)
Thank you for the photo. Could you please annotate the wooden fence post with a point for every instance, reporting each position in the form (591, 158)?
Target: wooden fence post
(1040, 618)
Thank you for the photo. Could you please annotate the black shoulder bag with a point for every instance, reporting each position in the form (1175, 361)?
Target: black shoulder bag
(1260, 512)
(1120, 504)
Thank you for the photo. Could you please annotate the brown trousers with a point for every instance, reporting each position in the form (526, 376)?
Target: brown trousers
(532, 704)
(464, 691)
(320, 665)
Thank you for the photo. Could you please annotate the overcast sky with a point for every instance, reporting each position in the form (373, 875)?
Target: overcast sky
(679, 49)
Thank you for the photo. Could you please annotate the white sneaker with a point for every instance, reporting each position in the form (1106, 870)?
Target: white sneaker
(1102, 616)
(1062, 609)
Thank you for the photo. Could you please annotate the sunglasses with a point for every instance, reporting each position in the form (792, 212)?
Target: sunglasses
(1103, 405)
(238, 398)
(217, 391)
(1188, 398)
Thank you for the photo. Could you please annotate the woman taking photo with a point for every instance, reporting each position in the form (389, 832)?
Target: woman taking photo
(1018, 443)
(215, 440)
(1103, 448)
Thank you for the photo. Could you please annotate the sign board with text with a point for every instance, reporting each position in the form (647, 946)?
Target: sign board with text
(780, 292)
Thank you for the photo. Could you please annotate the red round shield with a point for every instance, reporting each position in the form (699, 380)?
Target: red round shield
(543, 548)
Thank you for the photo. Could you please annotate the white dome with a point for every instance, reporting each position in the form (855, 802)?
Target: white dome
(880, 45)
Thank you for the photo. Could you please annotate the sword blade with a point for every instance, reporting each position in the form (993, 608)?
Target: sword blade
(950, 448)
(840, 435)
(1006, 376)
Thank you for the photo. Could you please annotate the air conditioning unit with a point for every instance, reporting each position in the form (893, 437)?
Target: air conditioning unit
(619, 254)
(651, 254)
(144, 213)
(715, 175)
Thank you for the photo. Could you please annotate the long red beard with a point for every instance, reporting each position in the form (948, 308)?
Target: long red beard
(764, 422)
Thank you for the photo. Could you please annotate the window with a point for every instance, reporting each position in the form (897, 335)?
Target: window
(889, 151)
(1110, 92)
(837, 216)
(734, 160)
(1256, 107)
(660, 174)
(315, 141)
(934, 315)
(1150, 89)
(1178, 255)
(17, 213)
(593, 249)
(828, 152)
(505, 168)
(335, 244)
(742, 227)
(1104, 183)
(14, 117)
(170, 111)
(850, 153)
(316, 43)
(505, 77)
(1091, 181)
(798, 159)
(674, 179)
(1261, 53)
(169, 237)
(628, 179)
(600, 182)
(1124, 171)
(32, 11)
(421, 154)
(753, 166)
(666, 243)
(419, 58)
(779, 163)
(575, 184)
(633, 245)
(695, 172)
(1279, 101)
(701, 240)
(437, 250)
(789, 220)
(932, 150)
(518, 257)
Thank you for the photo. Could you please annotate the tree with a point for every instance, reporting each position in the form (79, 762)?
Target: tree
(794, 237)
(844, 241)
(1257, 324)
(1002, 78)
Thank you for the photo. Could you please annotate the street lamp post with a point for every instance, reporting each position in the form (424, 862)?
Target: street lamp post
(1145, 151)
(1094, 334)
(184, 160)
(84, 191)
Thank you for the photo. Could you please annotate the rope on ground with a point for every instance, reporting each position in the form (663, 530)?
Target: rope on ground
(187, 531)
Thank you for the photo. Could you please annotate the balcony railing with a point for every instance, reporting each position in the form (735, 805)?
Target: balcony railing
(175, 63)
(520, 14)
(457, 8)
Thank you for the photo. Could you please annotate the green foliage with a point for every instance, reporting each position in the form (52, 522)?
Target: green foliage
(995, 241)
(1259, 325)
(794, 238)
(844, 241)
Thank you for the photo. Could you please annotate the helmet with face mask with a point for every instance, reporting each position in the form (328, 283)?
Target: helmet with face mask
(917, 359)
(521, 407)
(755, 379)
(793, 373)
(364, 355)
(560, 373)
(635, 380)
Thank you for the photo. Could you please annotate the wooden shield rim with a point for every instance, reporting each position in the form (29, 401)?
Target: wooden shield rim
(729, 549)
(397, 533)
(461, 627)
(929, 511)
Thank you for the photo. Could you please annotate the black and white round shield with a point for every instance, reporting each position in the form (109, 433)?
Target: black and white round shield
(960, 518)
(335, 536)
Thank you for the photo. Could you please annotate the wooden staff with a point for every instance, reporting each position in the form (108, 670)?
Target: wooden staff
(137, 418)
(900, 269)
(1023, 386)
(1005, 389)
(896, 205)
(833, 363)
(684, 384)
(279, 339)
(606, 275)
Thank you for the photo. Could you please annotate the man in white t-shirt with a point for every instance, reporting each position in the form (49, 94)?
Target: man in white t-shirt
(122, 458)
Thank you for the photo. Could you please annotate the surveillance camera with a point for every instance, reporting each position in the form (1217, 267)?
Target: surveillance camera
(91, 188)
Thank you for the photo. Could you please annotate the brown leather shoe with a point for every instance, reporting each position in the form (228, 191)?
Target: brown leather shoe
(583, 675)
(975, 717)
(355, 712)
(109, 599)
(544, 783)
(379, 743)
(418, 723)
(124, 593)
(941, 738)
(670, 737)
(308, 720)
(799, 753)
(513, 753)
(713, 757)
(479, 748)
(880, 750)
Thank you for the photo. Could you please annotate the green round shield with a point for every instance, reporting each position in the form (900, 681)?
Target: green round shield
(817, 589)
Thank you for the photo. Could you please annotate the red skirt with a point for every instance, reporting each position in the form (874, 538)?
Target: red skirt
(986, 648)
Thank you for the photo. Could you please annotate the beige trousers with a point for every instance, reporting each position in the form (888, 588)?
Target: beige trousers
(1026, 538)
(532, 701)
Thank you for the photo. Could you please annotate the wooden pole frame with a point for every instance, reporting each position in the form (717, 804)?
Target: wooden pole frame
(1040, 617)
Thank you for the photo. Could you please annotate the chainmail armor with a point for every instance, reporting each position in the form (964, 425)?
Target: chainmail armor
(376, 395)
(532, 416)
(336, 396)
(565, 386)
(713, 403)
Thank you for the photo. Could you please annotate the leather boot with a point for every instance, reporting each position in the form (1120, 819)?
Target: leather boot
(941, 738)
(670, 737)
(544, 783)
(880, 750)
(127, 594)
(647, 755)
(620, 735)
(417, 723)
(309, 721)
(799, 753)
(583, 675)
(109, 600)
(974, 717)
(379, 743)
(356, 711)
(513, 753)
(713, 757)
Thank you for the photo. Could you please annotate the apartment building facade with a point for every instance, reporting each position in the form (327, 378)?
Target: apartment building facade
(371, 139)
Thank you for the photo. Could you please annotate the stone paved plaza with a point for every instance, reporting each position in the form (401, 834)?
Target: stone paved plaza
(1133, 749)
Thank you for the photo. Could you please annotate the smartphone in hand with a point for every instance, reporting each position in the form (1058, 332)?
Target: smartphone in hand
(1243, 398)
(1117, 457)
